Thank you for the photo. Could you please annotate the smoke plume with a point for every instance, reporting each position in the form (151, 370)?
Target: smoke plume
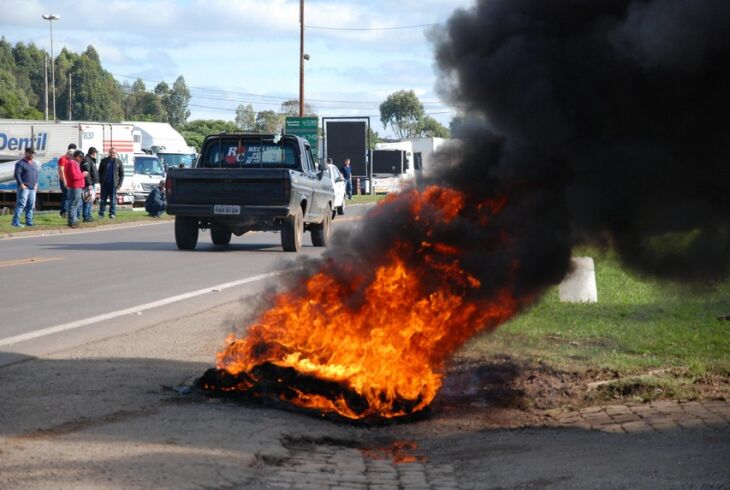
(600, 120)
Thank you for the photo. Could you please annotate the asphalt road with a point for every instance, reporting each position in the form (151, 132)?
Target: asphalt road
(74, 282)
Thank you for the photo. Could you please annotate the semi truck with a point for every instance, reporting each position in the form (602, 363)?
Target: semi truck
(397, 163)
(50, 140)
(162, 140)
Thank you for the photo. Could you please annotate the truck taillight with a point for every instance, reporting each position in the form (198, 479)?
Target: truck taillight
(168, 187)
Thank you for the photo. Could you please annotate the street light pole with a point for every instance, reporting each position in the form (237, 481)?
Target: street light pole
(50, 18)
(301, 58)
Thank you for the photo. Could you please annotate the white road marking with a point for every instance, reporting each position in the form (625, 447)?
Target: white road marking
(135, 309)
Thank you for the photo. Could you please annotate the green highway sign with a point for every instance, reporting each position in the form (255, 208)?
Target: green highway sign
(306, 127)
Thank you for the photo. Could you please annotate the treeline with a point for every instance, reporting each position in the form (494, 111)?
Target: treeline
(85, 91)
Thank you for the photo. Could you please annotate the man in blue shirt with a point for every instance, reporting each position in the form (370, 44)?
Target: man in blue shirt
(347, 174)
(26, 177)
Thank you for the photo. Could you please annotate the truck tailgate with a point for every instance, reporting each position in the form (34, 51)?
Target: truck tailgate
(247, 187)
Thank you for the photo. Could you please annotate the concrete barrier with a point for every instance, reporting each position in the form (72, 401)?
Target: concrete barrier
(579, 286)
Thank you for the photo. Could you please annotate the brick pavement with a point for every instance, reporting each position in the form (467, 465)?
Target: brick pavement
(341, 465)
(659, 416)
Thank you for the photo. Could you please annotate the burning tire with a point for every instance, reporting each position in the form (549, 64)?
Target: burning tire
(186, 232)
(220, 236)
(321, 232)
(291, 232)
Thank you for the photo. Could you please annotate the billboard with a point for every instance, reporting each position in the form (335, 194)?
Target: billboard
(348, 139)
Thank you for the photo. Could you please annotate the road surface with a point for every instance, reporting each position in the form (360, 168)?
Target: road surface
(72, 283)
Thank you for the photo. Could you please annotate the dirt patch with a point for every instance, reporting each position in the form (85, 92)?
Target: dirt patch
(510, 393)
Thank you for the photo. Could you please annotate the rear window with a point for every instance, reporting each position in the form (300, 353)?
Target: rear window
(243, 154)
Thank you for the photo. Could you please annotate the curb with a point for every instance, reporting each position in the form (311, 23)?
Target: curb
(61, 231)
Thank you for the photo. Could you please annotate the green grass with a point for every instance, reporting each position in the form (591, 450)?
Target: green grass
(50, 220)
(639, 325)
(365, 198)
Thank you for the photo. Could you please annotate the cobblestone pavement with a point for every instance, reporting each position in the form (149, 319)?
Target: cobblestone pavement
(659, 416)
(332, 465)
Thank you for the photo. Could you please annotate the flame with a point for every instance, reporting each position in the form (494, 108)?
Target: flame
(387, 350)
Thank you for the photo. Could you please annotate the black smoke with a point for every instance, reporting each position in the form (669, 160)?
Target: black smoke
(602, 120)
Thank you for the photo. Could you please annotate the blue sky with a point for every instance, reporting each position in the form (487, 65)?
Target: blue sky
(246, 51)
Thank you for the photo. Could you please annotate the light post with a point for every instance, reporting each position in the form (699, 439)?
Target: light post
(301, 58)
(50, 18)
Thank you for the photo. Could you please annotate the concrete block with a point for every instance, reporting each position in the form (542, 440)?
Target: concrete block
(579, 286)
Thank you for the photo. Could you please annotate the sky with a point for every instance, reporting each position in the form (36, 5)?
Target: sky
(235, 52)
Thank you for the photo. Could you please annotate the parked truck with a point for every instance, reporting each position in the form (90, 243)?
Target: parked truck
(251, 182)
(165, 142)
(50, 140)
(397, 163)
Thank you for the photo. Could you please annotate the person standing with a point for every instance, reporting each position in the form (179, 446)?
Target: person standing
(155, 203)
(92, 178)
(111, 175)
(26, 176)
(347, 174)
(75, 181)
(62, 177)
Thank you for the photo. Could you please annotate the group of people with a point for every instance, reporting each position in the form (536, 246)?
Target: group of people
(77, 177)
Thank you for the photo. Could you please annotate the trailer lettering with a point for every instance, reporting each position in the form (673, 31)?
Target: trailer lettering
(16, 144)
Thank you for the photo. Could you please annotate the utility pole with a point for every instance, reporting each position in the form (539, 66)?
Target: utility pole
(50, 18)
(301, 58)
(45, 81)
(69, 97)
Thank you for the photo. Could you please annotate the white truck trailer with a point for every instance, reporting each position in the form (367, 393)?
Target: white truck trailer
(163, 140)
(50, 140)
(397, 163)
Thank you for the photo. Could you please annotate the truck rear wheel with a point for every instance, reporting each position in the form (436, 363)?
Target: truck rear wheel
(186, 232)
(321, 232)
(220, 236)
(291, 232)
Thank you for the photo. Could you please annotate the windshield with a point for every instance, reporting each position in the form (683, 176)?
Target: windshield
(177, 159)
(240, 154)
(148, 165)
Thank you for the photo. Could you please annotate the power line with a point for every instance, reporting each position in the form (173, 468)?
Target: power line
(328, 28)
(224, 109)
(263, 96)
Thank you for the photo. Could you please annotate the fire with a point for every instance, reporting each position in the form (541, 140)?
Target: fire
(380, 356)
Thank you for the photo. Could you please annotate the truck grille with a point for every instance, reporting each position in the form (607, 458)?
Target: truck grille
(148, 187)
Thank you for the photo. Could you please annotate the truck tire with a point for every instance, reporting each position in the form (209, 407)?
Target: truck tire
(321, 232)
(186, 232)
(291, 232)
(220, 236)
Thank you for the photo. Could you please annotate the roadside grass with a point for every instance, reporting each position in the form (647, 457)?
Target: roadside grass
(50, 220)
(656, 339)
(366, 198)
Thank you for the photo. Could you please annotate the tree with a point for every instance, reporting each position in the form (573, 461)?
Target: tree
(177, 103)
(13, 102)
(291, 108)
(138, 86)
(269, 122)
(195, 132)
(403, 112)
(246, 117)
(431, 128)
(374, 138)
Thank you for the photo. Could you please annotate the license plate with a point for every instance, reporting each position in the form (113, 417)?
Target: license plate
(226, 209)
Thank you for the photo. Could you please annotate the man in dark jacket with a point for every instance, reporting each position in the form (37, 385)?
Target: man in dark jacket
(155, 203)
(26, 177)
(92, 178)
(111, 175)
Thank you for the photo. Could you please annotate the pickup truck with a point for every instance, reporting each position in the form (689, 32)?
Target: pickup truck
(251, 182)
